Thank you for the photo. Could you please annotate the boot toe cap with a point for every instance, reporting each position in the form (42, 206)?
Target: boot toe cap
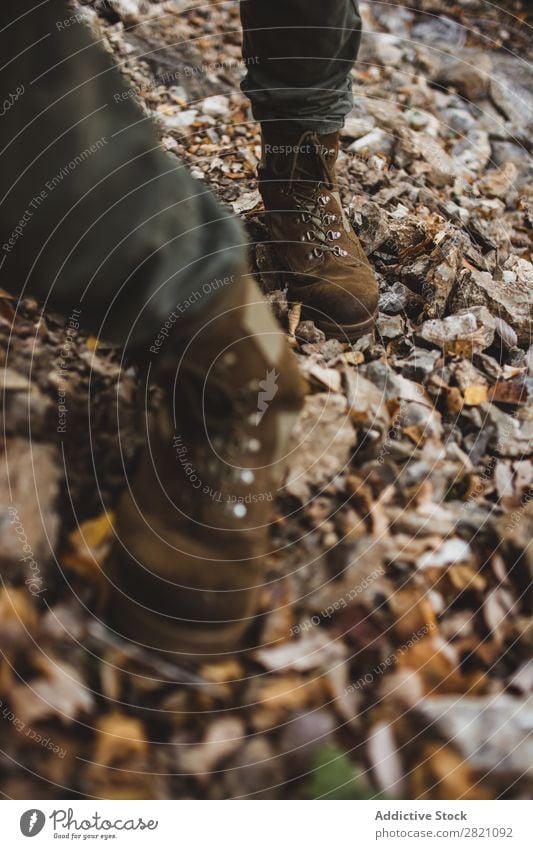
(350, 304)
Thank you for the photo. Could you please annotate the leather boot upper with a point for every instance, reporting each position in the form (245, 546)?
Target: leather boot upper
(194, 523)
(325, 265)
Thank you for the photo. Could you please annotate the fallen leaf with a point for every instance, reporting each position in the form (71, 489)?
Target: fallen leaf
(60, 692)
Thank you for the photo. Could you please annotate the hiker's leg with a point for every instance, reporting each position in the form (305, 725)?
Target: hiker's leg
(94, 214)
(299, 55)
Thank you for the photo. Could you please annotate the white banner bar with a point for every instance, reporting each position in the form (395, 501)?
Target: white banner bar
(268, 824)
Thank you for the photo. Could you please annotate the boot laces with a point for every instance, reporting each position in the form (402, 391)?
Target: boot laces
(311, 204)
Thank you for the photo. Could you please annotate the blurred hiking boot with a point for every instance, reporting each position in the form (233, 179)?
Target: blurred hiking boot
(322, 259)
(193, 527)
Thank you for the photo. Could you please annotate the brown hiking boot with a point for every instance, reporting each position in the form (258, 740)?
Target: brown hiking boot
(323, 261)
(193, 527)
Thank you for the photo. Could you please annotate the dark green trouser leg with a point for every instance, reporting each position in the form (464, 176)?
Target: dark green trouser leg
(92, 212)
(299, 54)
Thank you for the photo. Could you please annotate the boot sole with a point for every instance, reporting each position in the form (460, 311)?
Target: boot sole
(350, 332)
(334, 330)
(189, 643)
(193, 643)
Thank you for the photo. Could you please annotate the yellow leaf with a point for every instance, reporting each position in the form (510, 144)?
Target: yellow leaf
(119, 737)
(88, 547)
(475, 394)
(93, 533)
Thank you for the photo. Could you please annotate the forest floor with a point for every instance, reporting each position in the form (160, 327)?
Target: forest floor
(395, 630)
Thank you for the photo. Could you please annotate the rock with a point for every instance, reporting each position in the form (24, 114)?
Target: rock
(419, 364)
(307, 332)
(398, 298)
(473, 152)
(326, 439)
(355, 126)
(494, 732)
(367, 402)
(459, 120)
(500, 183)
(464, 333)
(515, 530)
(216, 106)
(511, 435)
(439, 30)
(372, 225)
(434, 275)
(256, 772)
(382, 48)
(468, 73)
(386, 113)
(181, 120)
(442, 166)
(504, 331)
(390, 327)
(130, 11)
(330, 378)
(418, 120)
(508, 151)
(395, 19)
(511, 89)
(509, 300)
(303, 736)
(377, 141)
(223, 738)
(25, 408)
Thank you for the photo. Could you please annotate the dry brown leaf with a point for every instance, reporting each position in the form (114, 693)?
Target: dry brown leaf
(438, 672)
(295, 312)
(119, 737)
(224, 737)
(120, 767)
(60, 692)
(223, 672)
(412, 612)
(454, 400)
(279, 695)
(442, 774)
(312, 651)
(18, 616)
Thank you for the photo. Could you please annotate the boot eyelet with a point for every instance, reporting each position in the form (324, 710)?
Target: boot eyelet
(318, 253)
(246, 476)
(338, 251)
(229, 358)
